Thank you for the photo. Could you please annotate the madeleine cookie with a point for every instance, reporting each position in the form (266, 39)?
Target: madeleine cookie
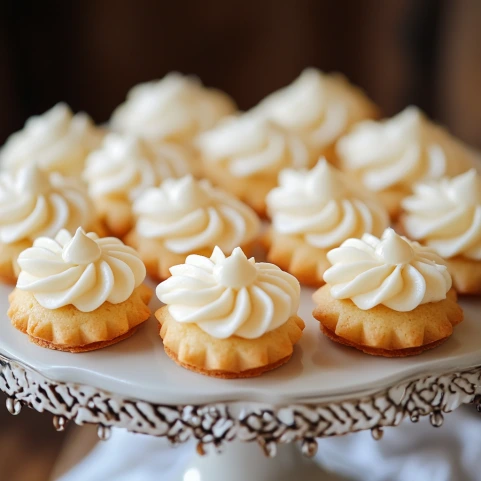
(313, 212)
(229, 317)
(445, 215)
(387, 297)
(34, 203)
(389, 156)
(187, 216)
(79, 293)
(245, 154)
(122, 168)
(57, 141)
(319, 108)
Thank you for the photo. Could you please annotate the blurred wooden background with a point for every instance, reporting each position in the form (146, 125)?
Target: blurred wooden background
(90, 52)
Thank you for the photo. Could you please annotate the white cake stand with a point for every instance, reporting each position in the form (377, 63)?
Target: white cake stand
(325, 390)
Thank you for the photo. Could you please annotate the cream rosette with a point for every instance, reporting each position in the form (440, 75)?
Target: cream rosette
(322, 207)
(318, 106)
(445, 215)
(390, 271)
(84, 271)
(230, 296)
(126, 165)
(56, 141)
(34, 203)
(187, 215)
(175, 108)
(394, 153)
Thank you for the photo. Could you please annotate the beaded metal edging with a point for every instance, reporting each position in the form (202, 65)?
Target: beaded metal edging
(215, 424)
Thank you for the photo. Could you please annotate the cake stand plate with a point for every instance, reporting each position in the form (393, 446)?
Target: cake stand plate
(325, 390)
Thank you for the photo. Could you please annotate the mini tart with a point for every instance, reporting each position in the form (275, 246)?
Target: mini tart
(312, 212)
(387, 297)
(231, 358)
(381, 331)
(34, 203)
(245, 154)
(79, 293)
(391, 155)
(445, 215)
(229, 317)
(122, 168)
(188, 216)
(68, 329)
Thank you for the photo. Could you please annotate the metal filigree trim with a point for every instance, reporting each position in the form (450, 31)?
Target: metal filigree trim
(216, 424)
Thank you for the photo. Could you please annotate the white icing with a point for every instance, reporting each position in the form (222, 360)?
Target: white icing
(126, 165)
(55, 141)
(391, 271)
(320, 107)
(230, 296)
(176, 107)
(249, 146)
(322, 207)
(84, 270)
(187, 215)
(34, 203)
(399, 151)
(446, 215)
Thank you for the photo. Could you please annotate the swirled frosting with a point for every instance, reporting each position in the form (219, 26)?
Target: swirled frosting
(446, 215)
(176, 108)
(55, 141)
(320, 107)
(230, 296)
(399, 151)
(84, 270)
(249, 146)
(320, 206)
(187, 215)
(34, 203)
(391, 271)
(126, 165)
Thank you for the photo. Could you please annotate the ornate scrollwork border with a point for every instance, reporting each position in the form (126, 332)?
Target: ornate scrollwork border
(216, 424)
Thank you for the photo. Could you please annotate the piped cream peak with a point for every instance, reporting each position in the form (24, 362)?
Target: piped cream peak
(394, 249)
(236, 271)
(81, 249)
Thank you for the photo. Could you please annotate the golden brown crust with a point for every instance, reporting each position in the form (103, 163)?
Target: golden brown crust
(115, 215)
(295, 256)
(158, 260)
(67, 328)
(466, 274)
(226, 374)
(233, 357)
(86, 348)
(382, 329)
(391, 199)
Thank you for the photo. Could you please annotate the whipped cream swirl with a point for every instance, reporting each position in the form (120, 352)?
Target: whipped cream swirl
(322, 207)
(175, 108)
(396, 152)
(230, 296)
(320, 107)
(125, 165)
(391, 271)
(446, 215)
(34, 203)
(187, 215)
(252, 146)
(55, 141)
(84, 270)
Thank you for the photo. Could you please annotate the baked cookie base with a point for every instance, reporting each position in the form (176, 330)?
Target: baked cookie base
(383, 331)
(230, 358)
(295, 256)
(68, 329)
(87, 347)
(226, 374)
(373, 351)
